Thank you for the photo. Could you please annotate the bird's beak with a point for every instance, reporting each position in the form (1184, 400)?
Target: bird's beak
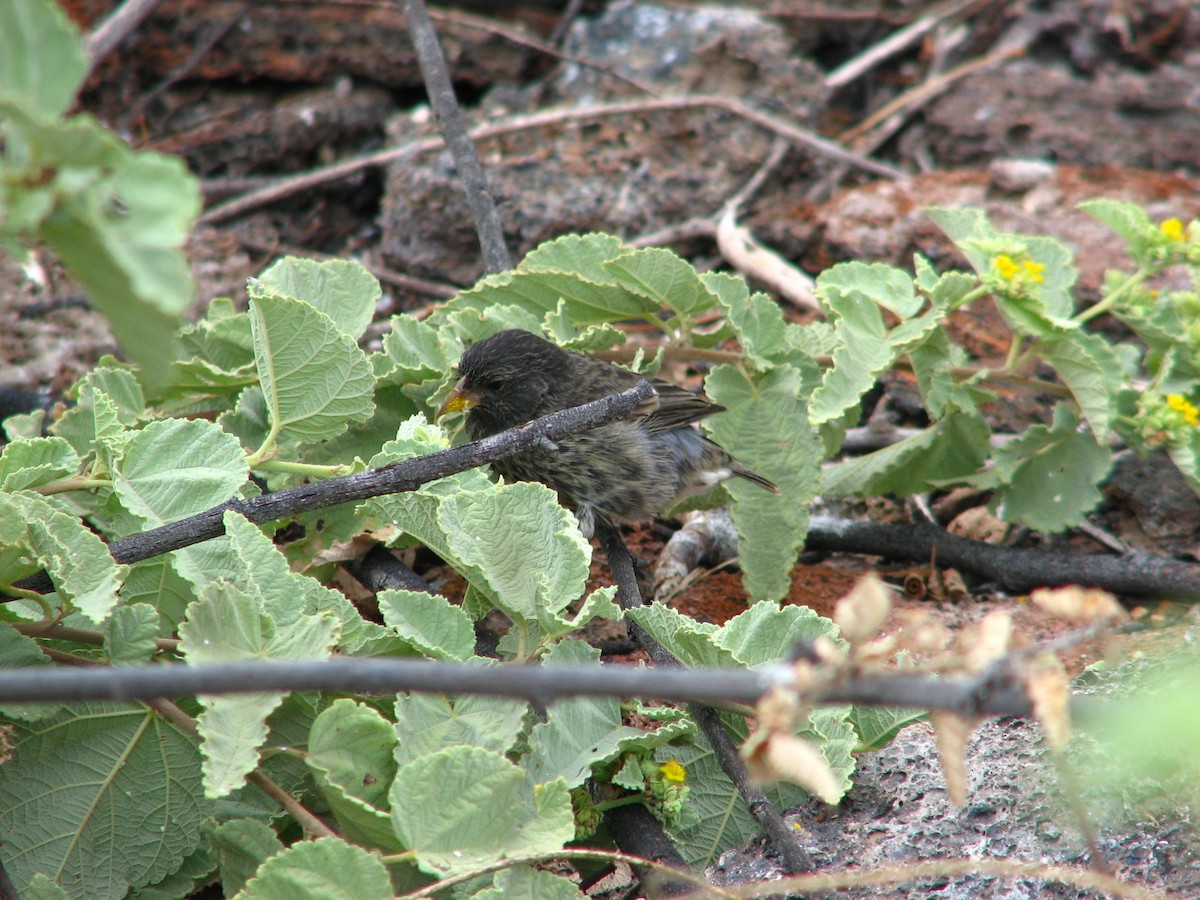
(460, 398)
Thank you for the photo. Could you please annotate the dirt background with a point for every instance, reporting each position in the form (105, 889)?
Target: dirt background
(1022, 108)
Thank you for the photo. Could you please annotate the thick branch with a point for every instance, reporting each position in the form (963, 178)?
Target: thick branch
(1015, 570)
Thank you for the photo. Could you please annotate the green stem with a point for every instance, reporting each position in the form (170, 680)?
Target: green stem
(297, 468)
(74, 483)
(628, 800)
(1115, 297)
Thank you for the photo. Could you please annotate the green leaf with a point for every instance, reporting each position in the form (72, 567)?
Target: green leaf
(121, 238)
(324, 869)
(340, 288)
(174, 468)
(578, 733)
(766, 428)
(766, 634)
(130, 633)
(315, 378)
(20, 652)
(240, 846)
(1042, 309)
(1128, 220)
(351, 756)
(99, 776)
(42, 888)
(933, 362)
(428, 723)
(227, 625)
(35, 535)
(430, 623)
(28, 463)
(756, 319)
(877, 726)
(539, 292)
(559, 328)
(691, 642)
(663, 277)
(951, 449)
(42, 61)
(93, 425)
(413, 351)
(1091, 368)
(715, 818)
(584, 254)
(1055, 473)
(528, 883)
(521, 545)
(156, 582)
(464, 806)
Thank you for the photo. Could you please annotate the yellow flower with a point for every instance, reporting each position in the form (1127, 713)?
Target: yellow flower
(673, 771)
(1034, 270)
(1182, 405)
(1005, 267)
(1172, 229)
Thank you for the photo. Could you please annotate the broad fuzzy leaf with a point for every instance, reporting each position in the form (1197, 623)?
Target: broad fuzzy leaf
(340, 288)
(766, 428)
(327, 868)
(315, 378)
(93, 778)
(463, 806)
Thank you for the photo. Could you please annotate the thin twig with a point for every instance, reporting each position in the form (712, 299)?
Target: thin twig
(308, 180)
(123, 20)
(942, 869)
(924, 92)
(215, 36)
(897, 42)
(450, 120)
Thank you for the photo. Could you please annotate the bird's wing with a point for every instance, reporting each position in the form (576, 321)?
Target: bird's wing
(677, 407)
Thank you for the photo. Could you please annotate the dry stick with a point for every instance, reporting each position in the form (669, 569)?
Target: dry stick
(124, 19)
(897, 42)
(910, 100)
(620, 563)
(436, 76)
(181, 71)
(396, 477)
(309, 180)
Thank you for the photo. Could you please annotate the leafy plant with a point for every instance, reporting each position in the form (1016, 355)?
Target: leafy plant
(281, 393)
(116, 218)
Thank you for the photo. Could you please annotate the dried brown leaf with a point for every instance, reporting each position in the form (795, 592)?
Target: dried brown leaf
(988, 642)
(1049, 691)
(773, 756)
(952, 732)
(862, 612)
(1078, 604)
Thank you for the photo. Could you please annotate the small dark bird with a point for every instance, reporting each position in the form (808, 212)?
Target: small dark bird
(622, 472)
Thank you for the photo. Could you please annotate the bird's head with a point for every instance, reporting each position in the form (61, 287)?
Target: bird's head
(506, 380)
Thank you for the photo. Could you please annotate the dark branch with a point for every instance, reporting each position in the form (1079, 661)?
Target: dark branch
(395, 478)
(1015, 570)
(988, 694)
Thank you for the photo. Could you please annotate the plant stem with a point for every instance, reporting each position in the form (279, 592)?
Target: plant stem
(1112, 299)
